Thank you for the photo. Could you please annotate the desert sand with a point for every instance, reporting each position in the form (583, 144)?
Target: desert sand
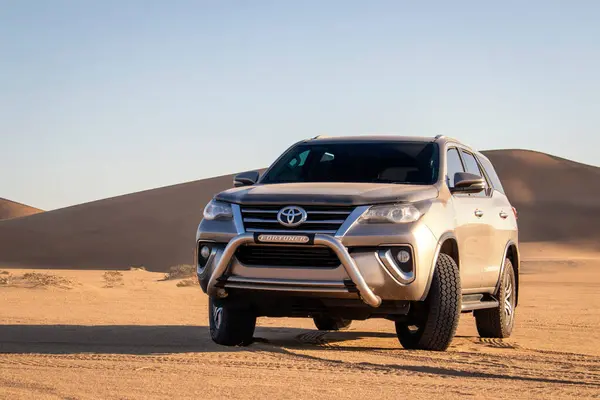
(11, 209)
(73, 327)
(148, 338)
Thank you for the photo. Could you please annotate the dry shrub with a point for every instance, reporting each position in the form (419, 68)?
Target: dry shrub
(5, 278)
(39, 279)
(140, 268)
(187, 282)
(180, 271)
(113, 278)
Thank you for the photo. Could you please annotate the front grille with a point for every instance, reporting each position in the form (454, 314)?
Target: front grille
(287, 256)
(321, 219)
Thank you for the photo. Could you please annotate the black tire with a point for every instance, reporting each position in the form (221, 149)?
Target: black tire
(230, 326)
(432, 324)
(327, 323)
(499, 322)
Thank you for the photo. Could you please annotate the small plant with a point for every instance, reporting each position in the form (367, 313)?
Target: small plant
(187, 282)
(39, 279)
(113, 279)
(5, 278)
(180, 271)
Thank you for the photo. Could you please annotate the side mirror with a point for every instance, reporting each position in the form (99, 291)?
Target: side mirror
(465, 182)
(246, 178)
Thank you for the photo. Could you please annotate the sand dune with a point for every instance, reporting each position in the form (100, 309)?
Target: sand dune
(11, 209)
(556, 199)
(154, 228)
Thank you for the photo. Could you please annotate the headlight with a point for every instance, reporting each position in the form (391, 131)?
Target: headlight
(394, 213)
(218, 210)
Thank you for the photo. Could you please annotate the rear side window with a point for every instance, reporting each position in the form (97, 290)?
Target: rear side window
(471, 164)
(454, 165)
(491, 173)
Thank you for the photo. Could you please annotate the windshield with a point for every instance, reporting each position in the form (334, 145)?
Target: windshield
(376, 162)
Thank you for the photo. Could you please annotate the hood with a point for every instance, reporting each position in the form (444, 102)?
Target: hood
(341, 194)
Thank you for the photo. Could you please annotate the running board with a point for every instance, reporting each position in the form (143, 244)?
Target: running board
(471, 302)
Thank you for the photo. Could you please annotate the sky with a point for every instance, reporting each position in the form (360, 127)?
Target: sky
(101, 98)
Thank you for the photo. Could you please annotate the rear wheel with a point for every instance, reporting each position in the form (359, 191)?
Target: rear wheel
(230, 326)
(327, 323)
(432, 324)
(499, 322)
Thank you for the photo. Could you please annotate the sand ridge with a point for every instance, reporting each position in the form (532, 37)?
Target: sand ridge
(11, 209)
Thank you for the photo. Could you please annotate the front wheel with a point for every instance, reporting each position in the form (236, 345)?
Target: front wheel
(432, 324)
(230, 326)
(499, 322)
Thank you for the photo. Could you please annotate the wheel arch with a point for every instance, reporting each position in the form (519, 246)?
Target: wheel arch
(447, 244)
(511, 252)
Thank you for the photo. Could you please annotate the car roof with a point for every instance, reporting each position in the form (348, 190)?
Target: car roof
(441, 139)
(382, 138)
(370, 138)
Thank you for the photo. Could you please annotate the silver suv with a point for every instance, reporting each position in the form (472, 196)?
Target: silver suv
(414, 230)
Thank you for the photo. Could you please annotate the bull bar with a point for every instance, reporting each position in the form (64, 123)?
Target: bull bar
(365, 292)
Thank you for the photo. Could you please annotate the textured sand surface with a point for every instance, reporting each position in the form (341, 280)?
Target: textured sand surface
(148, 339)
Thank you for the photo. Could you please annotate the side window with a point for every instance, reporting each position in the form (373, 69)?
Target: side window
(472, 166)
(454, 165)
(491, 173)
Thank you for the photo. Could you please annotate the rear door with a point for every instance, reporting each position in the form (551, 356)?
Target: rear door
(503, 221)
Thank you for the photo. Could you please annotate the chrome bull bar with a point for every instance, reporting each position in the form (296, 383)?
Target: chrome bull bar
(366, 294)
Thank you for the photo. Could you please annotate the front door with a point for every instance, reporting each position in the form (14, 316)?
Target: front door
(471, 231)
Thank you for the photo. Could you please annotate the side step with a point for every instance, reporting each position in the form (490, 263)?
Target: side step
(472, 302)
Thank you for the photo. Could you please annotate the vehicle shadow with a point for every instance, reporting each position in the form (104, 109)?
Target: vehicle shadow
(148, 339)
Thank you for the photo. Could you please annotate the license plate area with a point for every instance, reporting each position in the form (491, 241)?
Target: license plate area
(278, 238)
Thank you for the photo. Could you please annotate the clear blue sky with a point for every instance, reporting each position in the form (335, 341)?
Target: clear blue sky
(101, 98)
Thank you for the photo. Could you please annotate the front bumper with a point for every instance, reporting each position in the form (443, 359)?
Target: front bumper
(365, 271)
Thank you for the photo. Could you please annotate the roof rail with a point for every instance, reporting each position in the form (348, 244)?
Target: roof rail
(446, 137)
(317, 137)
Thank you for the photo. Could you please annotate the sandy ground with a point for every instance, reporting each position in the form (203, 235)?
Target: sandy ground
(148, 339)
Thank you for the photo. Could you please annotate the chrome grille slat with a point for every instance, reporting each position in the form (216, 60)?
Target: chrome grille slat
(274, 221)
(330, 212)
(320, 219)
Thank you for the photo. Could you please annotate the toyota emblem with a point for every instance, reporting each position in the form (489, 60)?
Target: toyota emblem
(291, 216)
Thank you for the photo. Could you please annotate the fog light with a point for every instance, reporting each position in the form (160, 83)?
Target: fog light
(403, 256)
(205, 252)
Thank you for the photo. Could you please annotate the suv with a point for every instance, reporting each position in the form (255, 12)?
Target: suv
(414, 230)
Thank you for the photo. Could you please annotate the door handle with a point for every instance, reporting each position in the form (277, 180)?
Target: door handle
(478, 213)
(503, 215)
